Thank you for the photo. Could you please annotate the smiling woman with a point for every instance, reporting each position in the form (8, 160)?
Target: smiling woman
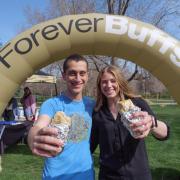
(99, 34)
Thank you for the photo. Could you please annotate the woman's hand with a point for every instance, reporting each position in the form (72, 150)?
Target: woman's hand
(142, 127)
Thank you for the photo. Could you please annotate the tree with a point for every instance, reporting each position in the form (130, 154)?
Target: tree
(155, 12)
(158, 13)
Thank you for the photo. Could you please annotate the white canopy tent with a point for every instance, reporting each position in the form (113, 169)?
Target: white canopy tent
(41, 77)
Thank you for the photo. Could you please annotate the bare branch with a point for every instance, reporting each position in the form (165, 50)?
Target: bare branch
(101, 59)
(162, 16)
(113, 60)
(110, 4)
(134, 74)
(95, 63)
(124, 66)
(60, 68)
(123, 5)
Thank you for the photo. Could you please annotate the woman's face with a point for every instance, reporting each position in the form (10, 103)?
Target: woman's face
(109, 85)
(26, 91)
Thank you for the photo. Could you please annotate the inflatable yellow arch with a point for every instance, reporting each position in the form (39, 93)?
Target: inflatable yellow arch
(95, 34)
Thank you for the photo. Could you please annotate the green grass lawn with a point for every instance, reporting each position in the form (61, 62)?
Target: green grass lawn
(164, 157)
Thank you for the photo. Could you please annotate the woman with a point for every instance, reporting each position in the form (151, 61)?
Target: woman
(122, 157)
(29, 104)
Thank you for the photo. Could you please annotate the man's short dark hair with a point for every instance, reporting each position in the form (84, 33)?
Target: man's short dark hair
(73, 57)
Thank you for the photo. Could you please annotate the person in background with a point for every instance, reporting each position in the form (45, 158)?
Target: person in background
(28, 102)
(122, 157)
(11, 111)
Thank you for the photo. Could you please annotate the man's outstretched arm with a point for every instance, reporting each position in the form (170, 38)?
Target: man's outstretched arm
(43, 140)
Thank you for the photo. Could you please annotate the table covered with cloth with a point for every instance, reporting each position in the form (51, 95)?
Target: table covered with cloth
(11, 132)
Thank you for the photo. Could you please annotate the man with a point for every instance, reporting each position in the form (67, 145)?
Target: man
(74, 162)
(71, 161)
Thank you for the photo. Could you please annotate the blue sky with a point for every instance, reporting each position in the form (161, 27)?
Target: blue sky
(12, 16)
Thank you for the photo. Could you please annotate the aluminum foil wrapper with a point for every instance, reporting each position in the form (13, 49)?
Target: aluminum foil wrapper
(126, 120)
(63, 130)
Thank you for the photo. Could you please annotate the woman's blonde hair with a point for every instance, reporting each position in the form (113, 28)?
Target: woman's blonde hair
(123, 88)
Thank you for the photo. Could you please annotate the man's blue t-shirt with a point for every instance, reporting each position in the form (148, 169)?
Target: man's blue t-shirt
(75, 161)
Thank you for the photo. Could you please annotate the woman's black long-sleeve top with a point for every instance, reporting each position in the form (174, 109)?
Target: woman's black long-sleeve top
(121, 156)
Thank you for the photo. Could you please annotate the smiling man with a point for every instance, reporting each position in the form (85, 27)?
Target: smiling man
(71, 160)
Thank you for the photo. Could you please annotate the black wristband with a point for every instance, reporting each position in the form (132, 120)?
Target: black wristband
(154, 122)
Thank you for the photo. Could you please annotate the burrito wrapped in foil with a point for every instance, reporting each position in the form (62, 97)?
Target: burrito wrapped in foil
(63, 124)
(126, 109)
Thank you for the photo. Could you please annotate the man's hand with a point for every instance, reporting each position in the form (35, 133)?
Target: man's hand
(142, 127)
(45, 142)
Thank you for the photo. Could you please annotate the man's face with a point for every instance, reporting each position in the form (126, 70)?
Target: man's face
(76, 77)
